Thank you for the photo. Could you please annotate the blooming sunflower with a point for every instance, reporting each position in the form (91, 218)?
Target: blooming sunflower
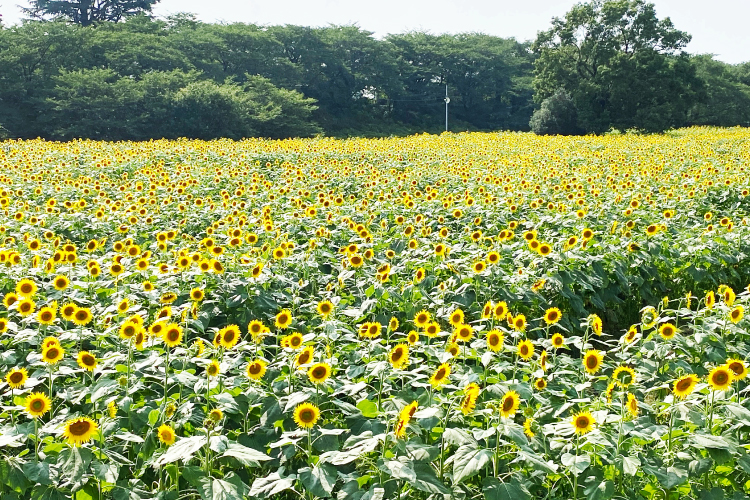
(720, 378)
(25, 307)
(398, 357)
(16, 378)
(500, 310)
(463, 333)
(528, 427)
(53, 354)
(540, 384)
(525, 349)
(558, 341)
(632, 405)
(509, 404)
(440, 376)
(495, 340)
(519, 323)
(172, 334)
(26, 288)
(46, 315)
(736, 314)
(710, 300)
(684, 385)
(87, 361)
(166, 434)
(431, 329)
(325, 308)
(292, 341)
(37, 404)
(79, 430)
(667, 331)
(213, 368)
(469, 401)
(256, 329)
(422, 318)
(738, 367)
(624, 376)
(230, 335)
(319, 373)
(60, 282)
(82, 316)
(456, 317)
(306, 415)
(583, 423)
(631, 334)
(596, 324)
(552, 315)
(283, 319)
(592, 361)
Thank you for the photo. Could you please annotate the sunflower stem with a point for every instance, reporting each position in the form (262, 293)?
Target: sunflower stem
(36, 438)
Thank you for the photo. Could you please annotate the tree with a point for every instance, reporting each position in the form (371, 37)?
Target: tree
(556, 116)
(623, 67)
(87, 12)
(727, 100)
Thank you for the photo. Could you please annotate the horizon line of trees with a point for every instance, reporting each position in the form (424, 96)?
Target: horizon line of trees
(606, 64)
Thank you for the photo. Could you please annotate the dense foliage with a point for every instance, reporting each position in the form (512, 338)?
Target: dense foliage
(499, 316)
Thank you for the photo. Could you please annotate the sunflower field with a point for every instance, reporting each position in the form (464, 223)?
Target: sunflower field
(498, 316)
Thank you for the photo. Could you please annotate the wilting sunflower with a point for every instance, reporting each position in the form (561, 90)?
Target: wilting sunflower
(525, 349)
(552, 315)
(213, 368)
(37, 404)
(558, 341)
(79, 430)
(166, 434)
(720, 378)
(230, 335)
(592, 361)
(256, 369)
(583, 423)
(82, 316)
(87, 361)
(399, 356)
(738, 367)
(422, 318)
(306, 415)
(684, 385)
(495, 340)
(624, 376)
(471, 393)
(53, 354)
(319, 373)
(283, 319)
(16, 378)
(736, 314)
(667, 330)
(440, 376)
(172, 334)
(463, 333)
(509, 404)
(632, 405)
(325, 308)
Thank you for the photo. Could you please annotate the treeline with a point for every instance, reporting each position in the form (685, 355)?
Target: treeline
(145, 78)
(606, 65)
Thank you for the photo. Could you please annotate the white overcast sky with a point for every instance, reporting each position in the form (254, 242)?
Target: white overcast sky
(718, 27)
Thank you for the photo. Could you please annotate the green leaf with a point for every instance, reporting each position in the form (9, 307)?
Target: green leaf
(74, 462)
(673, 477)
(468, 460)
(713, 442)
(246, 456)
(106, 472)
(37, 472)
(368, 408)
(576, 464)
(219, 489)
(153, 417)
(537, 462)
(630, 465)
(599, 490)
(272, 484)
(184, 449)
(493, 489)
(319, 480)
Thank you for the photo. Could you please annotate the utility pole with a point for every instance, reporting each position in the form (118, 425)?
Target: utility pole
(447, 100)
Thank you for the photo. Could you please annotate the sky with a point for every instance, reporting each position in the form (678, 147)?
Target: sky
(718, 26)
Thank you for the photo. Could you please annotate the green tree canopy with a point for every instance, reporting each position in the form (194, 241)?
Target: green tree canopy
(86, 12)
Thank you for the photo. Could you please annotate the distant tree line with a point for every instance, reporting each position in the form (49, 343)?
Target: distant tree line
(107, 70)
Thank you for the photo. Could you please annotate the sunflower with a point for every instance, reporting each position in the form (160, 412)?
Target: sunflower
(87, 361)
(509, 404)
(398, 357)
(82, 316)
(456, 317)
(319, 372)
(46, 315)
(306, 415)
(3, 324)
(468, 403)
(419, 275)
(738, 367)
(710, 300)
(684, 385)
(667, 331)
(632, 405)
(592, 361)
(412, 338)
(230, 335)
(720, 378)
(440, 376)
(305, 356)
(631, 334)
(500, 310)
(583, 423)
(463, 333)
(79, 430)
(393, 324)
(256, 369)
(558, 341)
(552, 315)
(37, 404)
(519, 323)
(25, 307)
(729, 296)
(525, 349)
(527, 427)
(16, 378)
(53, 354)
(452, 348)
(596, 323)
(283, 319)
(540, 384)
(26, 288)
(172, 334)
(495, 340)
(292, 341)
(123, 306)
(215, 415)
(624, 376)
(422, 318)
(10, 299)
(431, 329)
(166, 434)
(325, 308)
(213, 368)
(140, 338)
(49, 342)
(60, 282)
(736, 314)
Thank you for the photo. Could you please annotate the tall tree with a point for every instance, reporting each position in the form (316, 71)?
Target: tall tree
(622, 66)
(86, 12)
